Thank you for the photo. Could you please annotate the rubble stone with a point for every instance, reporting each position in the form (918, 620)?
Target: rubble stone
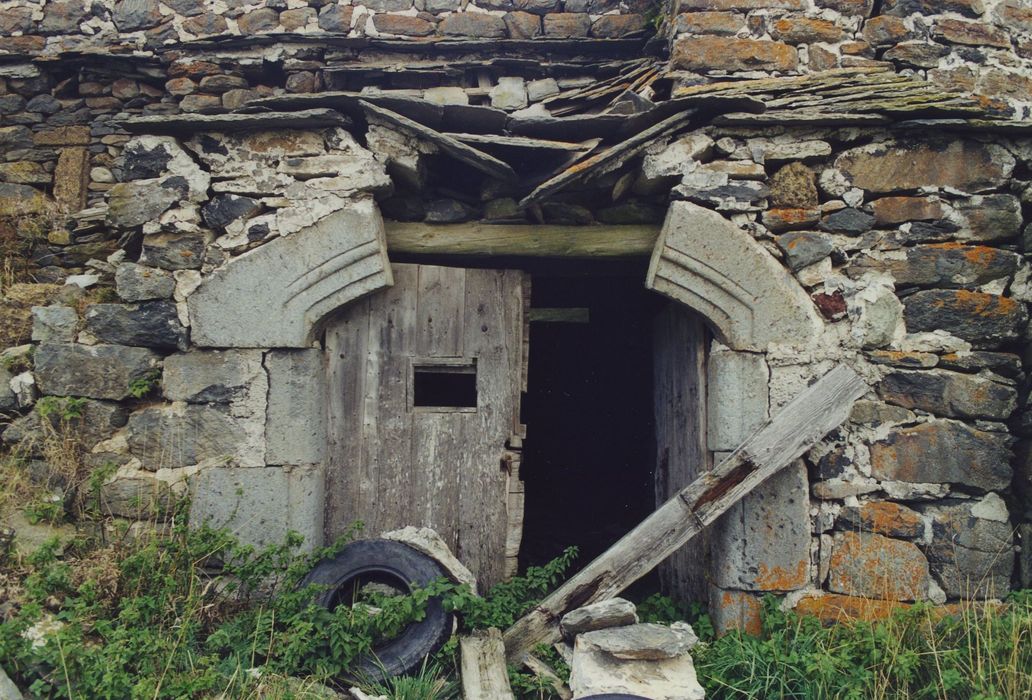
(614, 612)
(153, 324)
(264, 19)
(883, 518)
(793, 186)
(56, 323)
(804, 248)
(866, 564)
(473, 24)
(564, 25)
(141, 283)
(134, 15)
(509, 94)
(949, 394)
(971, 555)
(966, 165)
(985, 320)
(720, 53)
(943, 452)
(94, 371)
(635, 659)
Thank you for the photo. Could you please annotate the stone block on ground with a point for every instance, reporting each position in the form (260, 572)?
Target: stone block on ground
(430, 543)
(614, 612)
(647, 660)
(260, 504)
(8, 690)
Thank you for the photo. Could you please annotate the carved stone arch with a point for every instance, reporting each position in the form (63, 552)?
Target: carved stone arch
(707, 263)
(277, 295)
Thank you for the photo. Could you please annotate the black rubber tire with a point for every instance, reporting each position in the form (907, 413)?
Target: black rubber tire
(404, 566)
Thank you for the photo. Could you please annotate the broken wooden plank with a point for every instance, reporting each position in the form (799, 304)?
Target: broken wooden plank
(517, 240)
(542, 670)
(458, 150)
(795, 429)
(482, 666)
(519, 142)
(609, 158)
(190, 123)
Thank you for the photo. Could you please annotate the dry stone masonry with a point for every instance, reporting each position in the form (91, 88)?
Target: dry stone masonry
(195, 188)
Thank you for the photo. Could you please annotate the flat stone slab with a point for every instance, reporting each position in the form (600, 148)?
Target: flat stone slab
(609, 661)
(189, 123)
(430, 543)
(615, 612)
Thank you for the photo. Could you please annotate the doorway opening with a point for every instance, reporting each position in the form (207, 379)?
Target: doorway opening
(589, 455)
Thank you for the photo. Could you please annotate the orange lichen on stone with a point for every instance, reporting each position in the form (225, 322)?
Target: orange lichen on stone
(832, 608)
(776, 578)
(891, 519)
(867, 564)
(737, 610)
(985, 304)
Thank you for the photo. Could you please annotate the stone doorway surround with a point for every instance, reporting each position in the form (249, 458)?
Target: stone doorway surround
(248, 240)
(276, 297)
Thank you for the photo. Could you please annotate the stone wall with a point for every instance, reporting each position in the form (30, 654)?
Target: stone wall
(75, 25)
(911, 247)
(970, 46)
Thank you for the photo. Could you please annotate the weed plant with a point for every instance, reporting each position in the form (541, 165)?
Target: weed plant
(191, 613)
(979, 652)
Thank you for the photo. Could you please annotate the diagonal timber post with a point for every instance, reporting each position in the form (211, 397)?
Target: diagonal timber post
(800, 424)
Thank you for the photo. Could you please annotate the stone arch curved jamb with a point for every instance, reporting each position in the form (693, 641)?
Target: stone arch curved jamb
(711, 265)
(277, 295)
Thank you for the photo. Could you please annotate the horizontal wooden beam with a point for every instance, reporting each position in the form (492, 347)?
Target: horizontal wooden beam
(521, 240)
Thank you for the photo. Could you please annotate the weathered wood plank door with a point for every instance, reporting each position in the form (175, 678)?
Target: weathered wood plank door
(680, 339)
(425, 380)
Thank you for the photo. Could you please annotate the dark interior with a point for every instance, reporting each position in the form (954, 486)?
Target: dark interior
(588, 457)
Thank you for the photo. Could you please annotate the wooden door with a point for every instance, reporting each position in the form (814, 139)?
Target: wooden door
(680, 339)
(425, 381)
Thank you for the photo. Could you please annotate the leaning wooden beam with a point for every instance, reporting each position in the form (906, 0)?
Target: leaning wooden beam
(800, 424)
(482, 665)
(480, 240)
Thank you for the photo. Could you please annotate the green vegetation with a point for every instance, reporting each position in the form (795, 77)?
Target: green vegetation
(191, 613)
(142, 386)
(983, 652)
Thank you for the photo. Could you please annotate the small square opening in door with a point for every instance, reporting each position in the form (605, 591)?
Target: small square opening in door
(449, 385)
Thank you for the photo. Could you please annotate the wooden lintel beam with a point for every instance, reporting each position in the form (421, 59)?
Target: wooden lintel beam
(795, 429)
(500, 240)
